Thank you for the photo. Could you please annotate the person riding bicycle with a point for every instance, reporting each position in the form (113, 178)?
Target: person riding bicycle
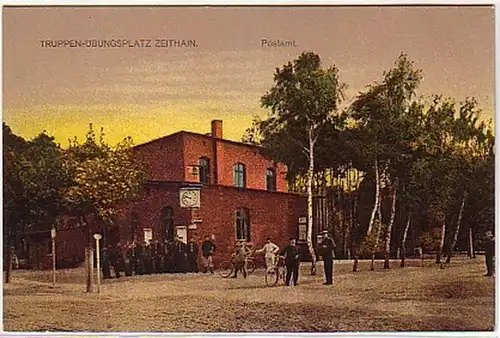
(270, 251)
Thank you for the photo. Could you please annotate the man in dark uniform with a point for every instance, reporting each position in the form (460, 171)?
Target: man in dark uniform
(326, 248)
(180, 256)
(139, 259)
(489, 243)
(105, 264)
(192, 256)
(165, 258)
(114, 260)
(148, 259)
(171, 248)
(120, 258)
(207, 250)
(129, 262)
(292, 261)
(158, 255)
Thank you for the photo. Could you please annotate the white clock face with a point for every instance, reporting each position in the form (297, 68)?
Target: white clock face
(189, 198)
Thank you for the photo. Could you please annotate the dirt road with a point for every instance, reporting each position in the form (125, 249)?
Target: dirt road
(419, 297)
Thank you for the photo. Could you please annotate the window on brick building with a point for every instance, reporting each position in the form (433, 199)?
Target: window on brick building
(270, 179)
(167, 219)
(204, 166)
(239, 175)
(134, 224)
(242, 224)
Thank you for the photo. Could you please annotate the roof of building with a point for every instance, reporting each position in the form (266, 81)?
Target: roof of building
(205, 136)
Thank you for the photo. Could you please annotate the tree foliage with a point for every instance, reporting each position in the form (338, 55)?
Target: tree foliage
(43, 181)
(438, 154)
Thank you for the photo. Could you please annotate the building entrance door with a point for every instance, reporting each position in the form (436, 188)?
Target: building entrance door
(181, 231)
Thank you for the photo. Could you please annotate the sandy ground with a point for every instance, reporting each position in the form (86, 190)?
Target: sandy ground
(420, 297)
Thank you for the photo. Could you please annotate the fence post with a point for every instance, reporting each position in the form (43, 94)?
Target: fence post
(8, 264)
(89, 264)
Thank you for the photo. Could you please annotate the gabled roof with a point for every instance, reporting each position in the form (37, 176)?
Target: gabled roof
(204, 136)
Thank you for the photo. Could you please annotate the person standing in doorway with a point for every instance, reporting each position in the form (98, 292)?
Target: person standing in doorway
(489, 242)
(292, 261)
(207, 251)
(192, 255)
(327, 246)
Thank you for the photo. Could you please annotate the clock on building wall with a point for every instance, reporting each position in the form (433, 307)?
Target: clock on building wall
(189, 198)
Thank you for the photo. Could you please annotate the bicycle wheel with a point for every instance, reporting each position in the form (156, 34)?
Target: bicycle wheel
(250, 266)
(227, 270)
(272, 277)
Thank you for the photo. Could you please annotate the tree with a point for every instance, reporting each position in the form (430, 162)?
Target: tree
(304, 101)
(383, 123)
(46, 181)
(14, 203)
(104, 178)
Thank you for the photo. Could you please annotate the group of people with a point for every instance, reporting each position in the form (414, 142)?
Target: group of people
(291, 254)
(171, 256)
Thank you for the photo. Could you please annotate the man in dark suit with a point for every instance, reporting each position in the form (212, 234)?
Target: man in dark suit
(192, 256)
(180, 256)
(292, 261)
(207, 251)
(327, 246)
(105, 263)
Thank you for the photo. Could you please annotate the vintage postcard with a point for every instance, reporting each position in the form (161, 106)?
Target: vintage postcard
(248, 169)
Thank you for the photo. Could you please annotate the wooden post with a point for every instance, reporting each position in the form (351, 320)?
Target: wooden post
(8, 264)
(89, 264)
(53, 236)
(471, 244)
(97, 252)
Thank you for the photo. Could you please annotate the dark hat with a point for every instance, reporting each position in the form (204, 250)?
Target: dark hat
(291, 238)
(268, 238)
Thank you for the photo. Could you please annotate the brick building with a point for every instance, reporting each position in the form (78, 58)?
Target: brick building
(204, 185)
(199, 184)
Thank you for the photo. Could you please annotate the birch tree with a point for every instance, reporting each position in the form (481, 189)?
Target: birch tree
(304, 105)
(383, 115)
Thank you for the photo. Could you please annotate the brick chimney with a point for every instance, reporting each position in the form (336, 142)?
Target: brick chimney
(217, 128)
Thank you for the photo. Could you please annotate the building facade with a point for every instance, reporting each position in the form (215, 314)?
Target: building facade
(203, 185)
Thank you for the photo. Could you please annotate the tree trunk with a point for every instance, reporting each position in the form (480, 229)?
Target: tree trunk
(89, 265)
(388, 234)
(471, 244)
(8, 263)
(355, 256)
(377, 194)
(354, 250)
(442, 220)
(457, 229)
(403, 242)
(377, 239)
(310, 173)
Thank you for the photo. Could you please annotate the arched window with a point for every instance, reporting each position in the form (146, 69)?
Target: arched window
(270, 179)
(239, 175)
(134, 225)
(204, 166)
(242, 224)
(167, 219)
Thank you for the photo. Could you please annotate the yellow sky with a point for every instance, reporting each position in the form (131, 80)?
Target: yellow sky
(150, 92)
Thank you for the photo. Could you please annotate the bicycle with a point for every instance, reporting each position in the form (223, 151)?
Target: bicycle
(228, 269)
(277, 273)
